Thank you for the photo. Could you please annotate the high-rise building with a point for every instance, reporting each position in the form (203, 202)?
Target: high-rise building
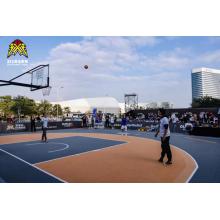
(205, 82)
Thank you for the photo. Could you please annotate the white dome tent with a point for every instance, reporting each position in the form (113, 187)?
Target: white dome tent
(103, 104)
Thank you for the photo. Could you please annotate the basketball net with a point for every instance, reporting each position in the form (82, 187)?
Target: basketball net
(46, 91)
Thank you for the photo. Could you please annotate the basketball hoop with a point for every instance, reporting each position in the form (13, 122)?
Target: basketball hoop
(46, 91)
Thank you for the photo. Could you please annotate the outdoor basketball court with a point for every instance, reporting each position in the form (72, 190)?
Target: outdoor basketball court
(102, 155)
(81, 156)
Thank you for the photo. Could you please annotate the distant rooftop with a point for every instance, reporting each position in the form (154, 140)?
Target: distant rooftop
(204, 69)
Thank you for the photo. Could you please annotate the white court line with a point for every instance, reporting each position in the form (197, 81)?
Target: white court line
(34, 144)
(197, 166)
(202, 140)
(52, 151)
(66, 147)
(18, 158)
(123, 134)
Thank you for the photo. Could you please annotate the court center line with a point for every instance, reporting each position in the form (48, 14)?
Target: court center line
(32, 165)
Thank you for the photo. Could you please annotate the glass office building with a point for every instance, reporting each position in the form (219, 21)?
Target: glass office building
(205, 82)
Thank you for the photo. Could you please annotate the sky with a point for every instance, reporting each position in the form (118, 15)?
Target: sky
(156, 68)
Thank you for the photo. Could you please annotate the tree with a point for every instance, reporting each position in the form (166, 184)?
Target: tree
(27, 107)
(6, 103)
(44, 107)
(205, 102)
(54, 110)
(24, 106)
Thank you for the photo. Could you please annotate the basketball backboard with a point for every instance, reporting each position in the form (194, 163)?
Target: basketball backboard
(39, 77)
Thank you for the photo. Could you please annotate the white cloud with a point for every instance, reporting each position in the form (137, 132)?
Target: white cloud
(172, 60)
(115, 67)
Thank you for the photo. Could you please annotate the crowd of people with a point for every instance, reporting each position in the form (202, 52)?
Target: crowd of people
(203, 119)
(99, 120)
(187, 119)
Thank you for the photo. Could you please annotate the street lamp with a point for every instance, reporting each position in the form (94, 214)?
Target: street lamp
(58, 88)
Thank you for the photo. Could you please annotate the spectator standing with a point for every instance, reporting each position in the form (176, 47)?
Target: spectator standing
(33, 125)
(44, 121)
(107, 121)
(174, 121)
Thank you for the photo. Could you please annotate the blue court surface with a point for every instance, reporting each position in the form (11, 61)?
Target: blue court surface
(17, 160)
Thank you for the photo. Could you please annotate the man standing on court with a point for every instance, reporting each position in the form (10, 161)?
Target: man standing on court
(124, 124)
(44, 121)
(165, 137)
(112, 121)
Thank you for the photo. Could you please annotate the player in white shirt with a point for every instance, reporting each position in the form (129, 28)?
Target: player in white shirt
(165, 137)
(44, 121)
(112, 121)
(90, 121)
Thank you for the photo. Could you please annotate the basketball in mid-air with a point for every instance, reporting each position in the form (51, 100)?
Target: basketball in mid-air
(86, 67)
